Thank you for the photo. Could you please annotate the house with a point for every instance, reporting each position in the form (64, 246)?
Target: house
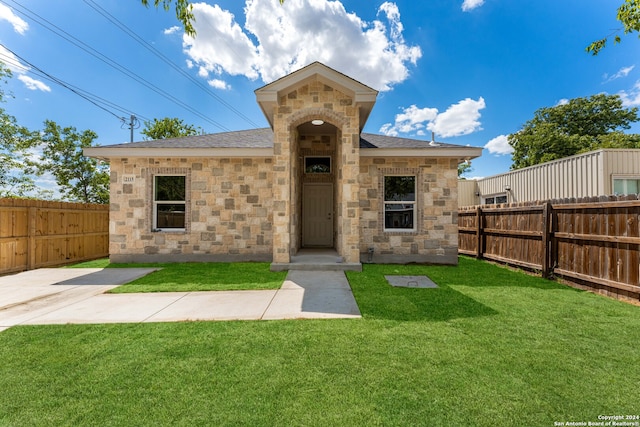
(595, 173)
(312, 179)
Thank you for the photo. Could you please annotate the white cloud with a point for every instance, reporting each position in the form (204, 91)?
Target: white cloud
(563, 101)
(412, 119)
(16, 67)
(19, 25)
(219, 84)
(459, 119)
(622, 72)
(631, 98)
(277, 40)
(499, 145)
(172, 30)
(33, 84)
(468, 5)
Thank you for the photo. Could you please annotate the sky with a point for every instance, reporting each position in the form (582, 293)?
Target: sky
(470, 71)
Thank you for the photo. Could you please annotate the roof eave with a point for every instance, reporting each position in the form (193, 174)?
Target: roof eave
(464, 153)
(106, 152)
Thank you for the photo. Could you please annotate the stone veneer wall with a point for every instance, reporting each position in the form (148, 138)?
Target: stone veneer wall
(316, 100)
(229, 210)
(436, 237)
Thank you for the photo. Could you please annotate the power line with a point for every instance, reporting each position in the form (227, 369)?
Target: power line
(94, 99)
(122, 69)
(115, 21)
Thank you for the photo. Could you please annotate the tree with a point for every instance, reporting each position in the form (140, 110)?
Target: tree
(81, 179)
(17, 171)
(582, 124)
(629, 15)
(169, 128)
(464, 168)
(184, 12)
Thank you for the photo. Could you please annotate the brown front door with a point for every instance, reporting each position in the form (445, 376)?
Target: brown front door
(317, 215)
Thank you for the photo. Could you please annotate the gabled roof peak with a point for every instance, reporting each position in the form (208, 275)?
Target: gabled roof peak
(268, 95)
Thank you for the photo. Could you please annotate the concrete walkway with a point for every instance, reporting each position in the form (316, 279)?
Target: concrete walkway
(70, 295)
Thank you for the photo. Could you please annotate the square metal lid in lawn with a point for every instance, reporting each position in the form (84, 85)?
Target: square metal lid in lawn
(410, 281)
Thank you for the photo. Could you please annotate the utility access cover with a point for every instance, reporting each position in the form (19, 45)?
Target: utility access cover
(410, 281)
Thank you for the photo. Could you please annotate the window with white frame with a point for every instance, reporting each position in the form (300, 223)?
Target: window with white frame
(399, 203)
(626, 185)
(496, 199)
(169, 202)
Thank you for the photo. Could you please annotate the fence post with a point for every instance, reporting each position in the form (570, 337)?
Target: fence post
(479, 233)
(547, 211)
(31, 238)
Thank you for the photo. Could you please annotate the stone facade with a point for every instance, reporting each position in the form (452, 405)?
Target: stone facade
(229, 210)
(435, 238)
(245, 189)
(312, 101)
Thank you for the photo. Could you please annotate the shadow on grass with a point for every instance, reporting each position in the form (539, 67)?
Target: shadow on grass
(379, 300)
(187, 277)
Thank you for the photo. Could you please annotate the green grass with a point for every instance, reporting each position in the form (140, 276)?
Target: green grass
(489, 347)
(190, 277)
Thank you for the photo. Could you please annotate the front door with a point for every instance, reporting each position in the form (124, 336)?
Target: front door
(317, 215)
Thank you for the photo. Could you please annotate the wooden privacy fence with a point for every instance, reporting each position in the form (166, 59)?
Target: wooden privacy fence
(593, 243)
(36, 233)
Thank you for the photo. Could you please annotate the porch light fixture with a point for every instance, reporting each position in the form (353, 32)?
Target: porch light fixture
(507, 187)
(317, 122)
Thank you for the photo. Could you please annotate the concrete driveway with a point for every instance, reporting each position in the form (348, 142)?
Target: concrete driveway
(66, 295)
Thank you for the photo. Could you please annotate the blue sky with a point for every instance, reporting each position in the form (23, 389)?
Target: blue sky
(472, 71)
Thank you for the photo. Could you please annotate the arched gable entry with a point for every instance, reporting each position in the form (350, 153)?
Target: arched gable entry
(315, 169)
(291, 104)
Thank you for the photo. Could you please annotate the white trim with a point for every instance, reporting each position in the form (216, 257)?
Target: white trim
(494, 197)
(623, 177)
(403, 202)
(455, 152)
(107, 152)
(155, 204)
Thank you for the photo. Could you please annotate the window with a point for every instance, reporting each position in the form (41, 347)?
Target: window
(496, 200)
(317, 164)
(626, 185)
(169, 202)
(399, 203)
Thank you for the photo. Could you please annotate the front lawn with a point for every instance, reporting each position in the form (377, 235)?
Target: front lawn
(489, 347)
(197, 276)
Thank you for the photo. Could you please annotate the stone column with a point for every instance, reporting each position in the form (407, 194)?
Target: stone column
(281, 191)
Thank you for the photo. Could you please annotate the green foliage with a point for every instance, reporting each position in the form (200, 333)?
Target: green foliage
(629, 15)
(184, 13)
(169, 128)
(80, 178)
(464, 168)
(17, 170)
(582, 124)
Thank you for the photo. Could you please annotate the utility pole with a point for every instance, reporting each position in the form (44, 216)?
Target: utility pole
(134, 123)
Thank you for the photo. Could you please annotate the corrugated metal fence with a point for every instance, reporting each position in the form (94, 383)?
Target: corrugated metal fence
(35, 233)
(594, 243)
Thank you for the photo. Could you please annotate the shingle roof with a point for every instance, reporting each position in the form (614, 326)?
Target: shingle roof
(263, 138)
(369, 140)
(254, 138)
